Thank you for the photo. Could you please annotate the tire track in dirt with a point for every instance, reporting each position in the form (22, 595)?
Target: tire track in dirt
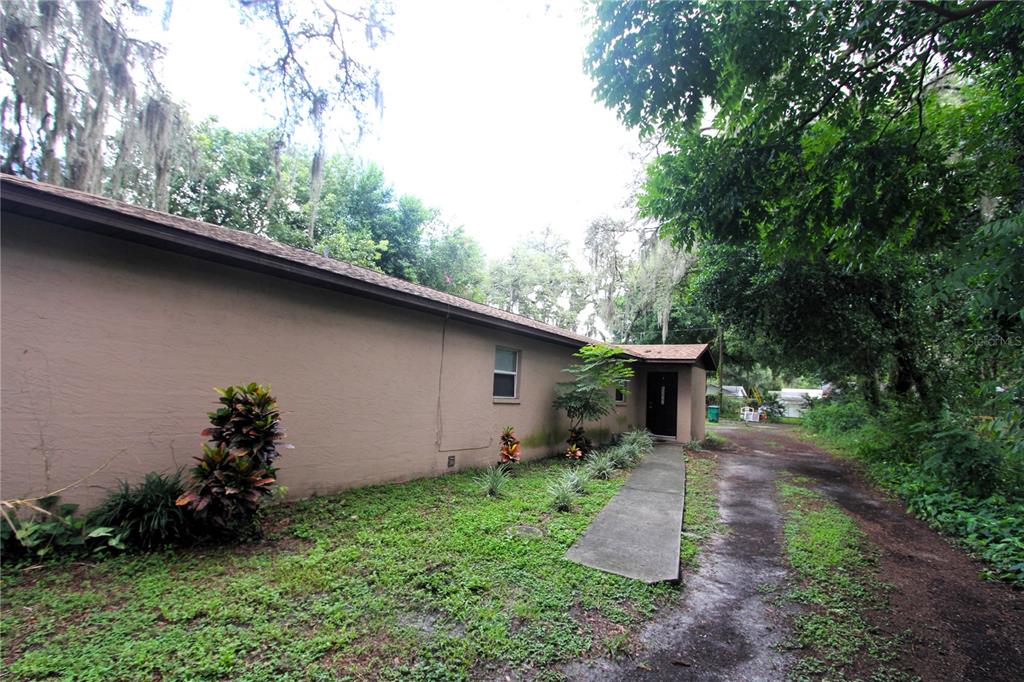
(725, 628)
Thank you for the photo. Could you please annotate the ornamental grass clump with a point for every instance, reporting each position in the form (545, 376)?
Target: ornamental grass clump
(234, 472)
(493, 480)
(562, 495)
(623, 456)
(600, 465)
(146, 515)
(640, 440)
(576, 479)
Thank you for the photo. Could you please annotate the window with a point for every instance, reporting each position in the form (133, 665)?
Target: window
(506, 373)
(620, 393)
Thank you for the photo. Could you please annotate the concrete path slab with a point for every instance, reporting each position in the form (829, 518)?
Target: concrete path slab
(637, 534)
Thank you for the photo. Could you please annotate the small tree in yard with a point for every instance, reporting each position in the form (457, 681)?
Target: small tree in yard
(589, 396)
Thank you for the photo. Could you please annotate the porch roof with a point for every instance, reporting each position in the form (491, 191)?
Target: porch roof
(683, 353)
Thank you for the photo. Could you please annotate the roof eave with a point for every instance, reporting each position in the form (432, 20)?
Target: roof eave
(35, 204)
(704, 360)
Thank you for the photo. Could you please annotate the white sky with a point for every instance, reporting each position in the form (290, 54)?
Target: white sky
(488, 114)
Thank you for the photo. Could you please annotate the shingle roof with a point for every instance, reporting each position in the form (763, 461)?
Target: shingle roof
(123, 220)
(666, 352)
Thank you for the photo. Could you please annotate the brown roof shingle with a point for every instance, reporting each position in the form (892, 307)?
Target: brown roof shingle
(123, 220)
(667, 352)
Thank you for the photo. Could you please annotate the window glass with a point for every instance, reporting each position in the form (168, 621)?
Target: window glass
(504, 385)
(620, 393)
(506, 367)
(505, 360)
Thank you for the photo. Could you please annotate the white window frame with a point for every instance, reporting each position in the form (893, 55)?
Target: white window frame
(515, 374)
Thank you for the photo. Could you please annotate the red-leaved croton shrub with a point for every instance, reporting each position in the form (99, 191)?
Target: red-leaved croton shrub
(248, 422)
(578, 440)
(234, 472)
(574, 452)
(510, 448)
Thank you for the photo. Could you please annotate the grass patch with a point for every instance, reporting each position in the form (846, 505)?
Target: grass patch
(423, 580)
(834, 567)
(713, 441)
(700, 516)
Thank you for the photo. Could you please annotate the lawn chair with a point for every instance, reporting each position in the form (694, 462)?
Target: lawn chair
(749, 414)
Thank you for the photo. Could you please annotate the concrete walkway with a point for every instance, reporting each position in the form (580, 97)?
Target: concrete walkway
(637, 533)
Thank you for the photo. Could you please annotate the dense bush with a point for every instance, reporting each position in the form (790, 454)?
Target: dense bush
(957, 454)
(234, 472)
(958, 476)
(773, 407)
(46, 527)
(146, 515)
(730, 408)
(990, 527)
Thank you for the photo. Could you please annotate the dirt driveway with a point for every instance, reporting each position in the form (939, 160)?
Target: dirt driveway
(728, 626)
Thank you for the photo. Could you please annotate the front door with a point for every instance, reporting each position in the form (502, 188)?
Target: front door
(661, 403)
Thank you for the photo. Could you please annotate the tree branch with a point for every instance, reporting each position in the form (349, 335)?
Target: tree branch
(955, 14)
(949, 16)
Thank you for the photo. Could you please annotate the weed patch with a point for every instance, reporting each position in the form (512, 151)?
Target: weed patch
(700, 518)
(423, 580)
(834, 568)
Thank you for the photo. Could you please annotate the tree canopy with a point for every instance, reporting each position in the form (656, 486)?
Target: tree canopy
(851, 172)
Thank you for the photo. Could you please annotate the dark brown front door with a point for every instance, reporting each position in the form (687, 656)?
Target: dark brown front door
(661, 403)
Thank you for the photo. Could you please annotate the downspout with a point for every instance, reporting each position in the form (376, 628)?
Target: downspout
(440, 376)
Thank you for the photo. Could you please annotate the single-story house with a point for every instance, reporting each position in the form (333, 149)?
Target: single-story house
(118, 321)
(736, 392)
(794, 399)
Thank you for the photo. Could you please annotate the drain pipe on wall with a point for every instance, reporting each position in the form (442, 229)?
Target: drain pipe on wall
(440, 377)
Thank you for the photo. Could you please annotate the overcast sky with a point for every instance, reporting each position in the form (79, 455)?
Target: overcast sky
(487, 116)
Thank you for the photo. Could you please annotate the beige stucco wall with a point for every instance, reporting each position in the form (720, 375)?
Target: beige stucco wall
(110, 351)
(698, 387)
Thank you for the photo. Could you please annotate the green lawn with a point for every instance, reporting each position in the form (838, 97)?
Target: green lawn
(424, 580)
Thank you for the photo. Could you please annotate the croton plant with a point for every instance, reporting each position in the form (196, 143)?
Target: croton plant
(510, 448)
(234, 472)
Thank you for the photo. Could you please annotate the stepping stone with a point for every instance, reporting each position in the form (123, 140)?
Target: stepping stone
(637, 534)
(527, 531)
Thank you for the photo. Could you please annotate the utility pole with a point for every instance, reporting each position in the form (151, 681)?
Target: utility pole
(721, 375)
